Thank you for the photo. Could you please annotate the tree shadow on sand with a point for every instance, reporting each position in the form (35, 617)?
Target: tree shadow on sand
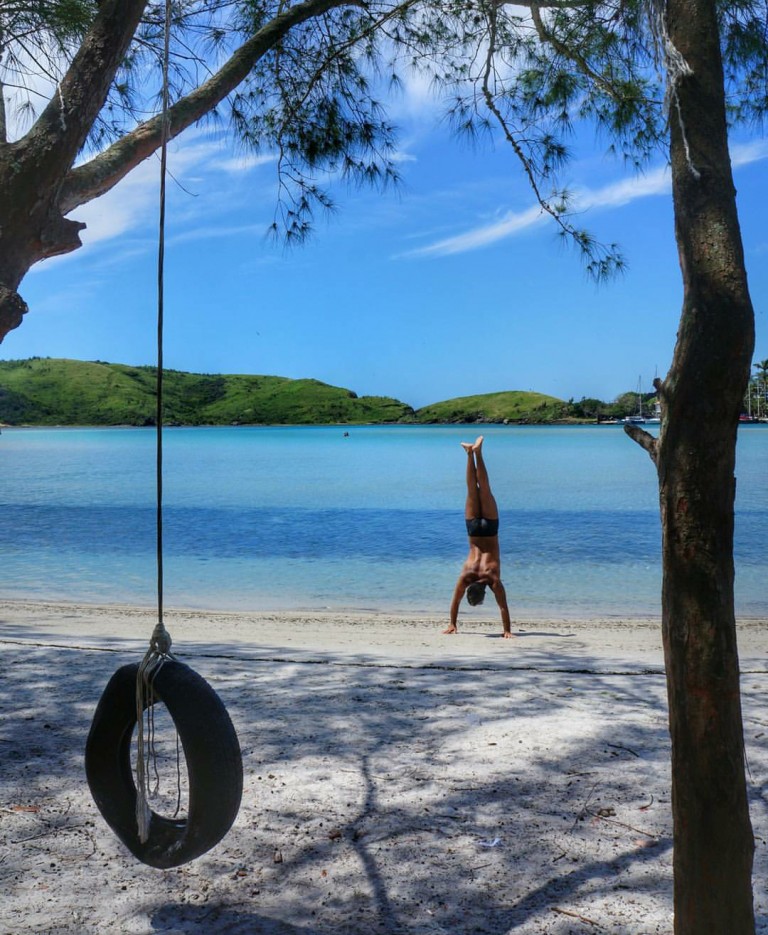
(381, 799)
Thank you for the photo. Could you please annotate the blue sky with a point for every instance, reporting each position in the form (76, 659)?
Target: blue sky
(450, 286)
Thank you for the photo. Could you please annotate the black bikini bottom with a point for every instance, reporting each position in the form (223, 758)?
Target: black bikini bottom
(480, 527)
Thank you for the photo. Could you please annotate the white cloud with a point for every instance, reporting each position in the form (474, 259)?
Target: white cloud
(126, 207)
(219, 230)
(614, 195)
(132, 206)
(510, 224)
(417, 99)
(244, 162)
(742, 154)
(401, 157)
(617, 194)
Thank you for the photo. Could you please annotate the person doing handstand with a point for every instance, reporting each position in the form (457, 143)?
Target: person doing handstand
(482, 567)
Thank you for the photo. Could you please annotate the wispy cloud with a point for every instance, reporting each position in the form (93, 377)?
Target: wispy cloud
(131, 208)
(126, 207)
(742, 154)
(244, 162)
(482, 236)
(514, 222)
(220, 231)
(415, 98)
(617, 194)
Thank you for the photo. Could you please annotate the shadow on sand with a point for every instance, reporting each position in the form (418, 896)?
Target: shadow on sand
(377, 800)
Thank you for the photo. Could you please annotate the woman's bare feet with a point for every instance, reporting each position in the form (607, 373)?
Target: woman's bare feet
(478, 443)
(468, 447)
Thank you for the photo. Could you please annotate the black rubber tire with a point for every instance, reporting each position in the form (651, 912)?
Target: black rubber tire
(211, 749)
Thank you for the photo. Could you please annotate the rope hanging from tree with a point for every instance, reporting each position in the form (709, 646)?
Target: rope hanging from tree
(160, 642)
(207, 735)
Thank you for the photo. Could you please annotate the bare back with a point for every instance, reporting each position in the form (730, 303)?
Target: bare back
(483, 563)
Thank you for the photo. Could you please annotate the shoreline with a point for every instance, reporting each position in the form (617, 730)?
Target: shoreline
(371, 637)
(506, 422)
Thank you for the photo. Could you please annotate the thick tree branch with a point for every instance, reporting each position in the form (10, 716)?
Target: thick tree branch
(59, 133)
(104, 171)
(644, 440)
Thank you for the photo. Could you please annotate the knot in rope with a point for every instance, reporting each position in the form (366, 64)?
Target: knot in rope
(160, 642)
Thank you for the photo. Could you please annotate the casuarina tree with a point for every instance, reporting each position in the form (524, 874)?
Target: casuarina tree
(668, 74)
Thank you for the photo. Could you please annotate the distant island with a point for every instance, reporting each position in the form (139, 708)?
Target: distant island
(52, 391)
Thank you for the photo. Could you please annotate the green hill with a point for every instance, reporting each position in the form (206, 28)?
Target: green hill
(512, 406)
(48, 391)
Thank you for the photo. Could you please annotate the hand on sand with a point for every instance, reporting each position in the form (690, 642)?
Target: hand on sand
(451, 629)
(507, 635)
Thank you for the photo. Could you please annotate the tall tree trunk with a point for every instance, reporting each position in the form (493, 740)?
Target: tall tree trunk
(695, 457)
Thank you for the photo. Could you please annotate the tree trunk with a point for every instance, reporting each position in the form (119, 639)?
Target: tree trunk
(695, 457)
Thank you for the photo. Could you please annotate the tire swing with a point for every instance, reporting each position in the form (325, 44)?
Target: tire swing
(204, 729)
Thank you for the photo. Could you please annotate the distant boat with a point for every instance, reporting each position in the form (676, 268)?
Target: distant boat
(638, 418)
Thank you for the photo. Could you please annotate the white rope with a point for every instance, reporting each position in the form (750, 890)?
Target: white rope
(669, 59)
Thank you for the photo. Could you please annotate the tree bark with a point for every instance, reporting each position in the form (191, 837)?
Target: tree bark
(695, 457)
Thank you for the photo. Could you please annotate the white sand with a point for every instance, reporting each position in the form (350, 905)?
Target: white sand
(408, 782)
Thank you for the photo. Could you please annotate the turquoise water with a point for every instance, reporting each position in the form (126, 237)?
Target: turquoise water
(263, 518)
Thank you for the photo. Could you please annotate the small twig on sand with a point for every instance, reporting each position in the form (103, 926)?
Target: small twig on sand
(50, 829)
(621, 824)
(575, 915)
(620, 746)
(584, 809)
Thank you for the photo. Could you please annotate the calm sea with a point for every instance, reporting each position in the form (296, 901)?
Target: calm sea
(269, 518)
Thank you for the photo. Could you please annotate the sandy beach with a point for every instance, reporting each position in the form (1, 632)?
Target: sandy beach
(395, 780)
